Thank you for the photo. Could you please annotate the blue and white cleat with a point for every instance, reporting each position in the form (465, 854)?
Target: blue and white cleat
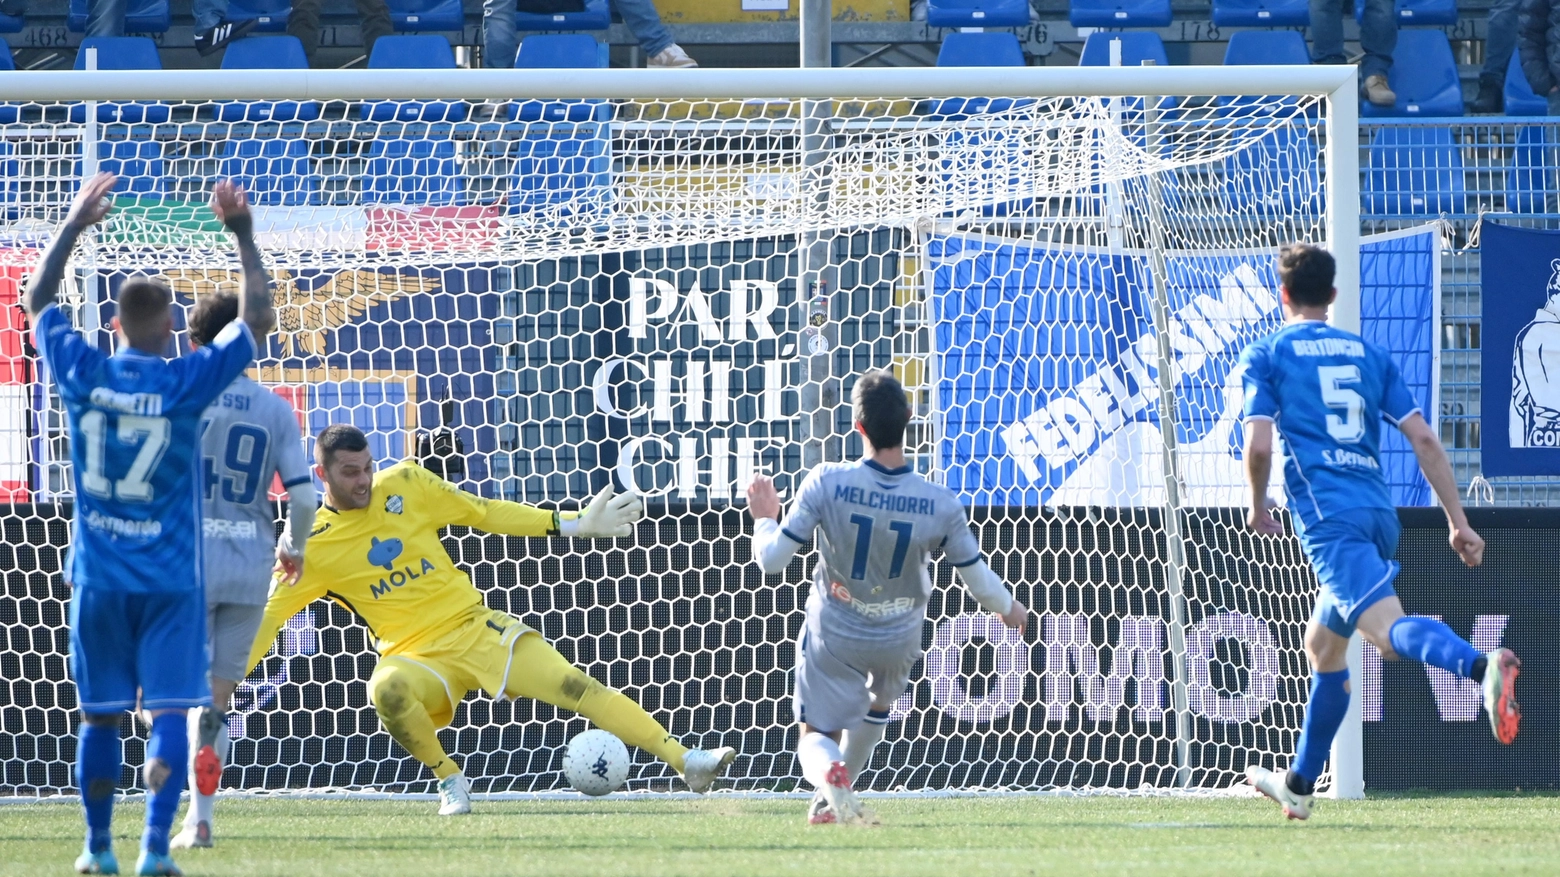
(454, 795)
(1273, 784)
(1500, 700)
(97, 863)
(152, 864)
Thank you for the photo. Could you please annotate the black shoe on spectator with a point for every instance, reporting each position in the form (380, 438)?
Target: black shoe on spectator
(1490, 99)
(217, 38)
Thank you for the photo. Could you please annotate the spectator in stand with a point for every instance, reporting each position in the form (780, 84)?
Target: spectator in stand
(1499, 42)
(1378, 37)
(212, 31)
(499, 42)
(304, 23)
(1538, 41)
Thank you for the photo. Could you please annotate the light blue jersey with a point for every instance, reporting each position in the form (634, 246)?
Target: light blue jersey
(135, 449)
(1326, 392)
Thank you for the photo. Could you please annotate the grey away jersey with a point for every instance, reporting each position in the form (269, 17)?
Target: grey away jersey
(248, 435)
(878, 527)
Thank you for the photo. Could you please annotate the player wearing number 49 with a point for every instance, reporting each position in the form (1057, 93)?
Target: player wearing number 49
(1326, 391)
(375, 550)
(879, 523)
(138, 607)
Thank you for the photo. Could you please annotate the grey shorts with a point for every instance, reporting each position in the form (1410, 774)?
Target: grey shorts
(837, 681)
(230, 633)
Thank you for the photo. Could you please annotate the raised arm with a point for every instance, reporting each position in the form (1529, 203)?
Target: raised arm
(1438, 471)
(772, 546)
(92, 203)
(231, 206)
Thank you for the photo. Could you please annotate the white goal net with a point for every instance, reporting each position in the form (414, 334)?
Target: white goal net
(534, 296)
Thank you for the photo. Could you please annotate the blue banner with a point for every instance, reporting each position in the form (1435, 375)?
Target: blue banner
(1400, 294)
(1520, 425)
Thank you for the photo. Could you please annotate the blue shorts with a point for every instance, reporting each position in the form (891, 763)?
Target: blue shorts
(121, 642)
(1351, 553)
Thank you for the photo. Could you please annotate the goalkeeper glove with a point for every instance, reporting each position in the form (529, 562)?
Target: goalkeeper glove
(606, 517)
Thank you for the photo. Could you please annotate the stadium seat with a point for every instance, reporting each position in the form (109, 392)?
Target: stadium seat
(597, 15)
(1417, 13)
(1424, 75)
(8, 62)
(121, 53)
(282, 52)
(1276, 175)
(140, 165)
(569, 172)
(1261, 13)
(1519, 97)
(269, 16)
(412, 172)
(977, 13)
(1533, 176)
(1119, 13)
(272, 172)
(417, 52)
(1136, 47)
(1266, 47)
(141, 16)
(995, 49)
(421, 15)
(1414, 170)
(11, 24)
(559, 52)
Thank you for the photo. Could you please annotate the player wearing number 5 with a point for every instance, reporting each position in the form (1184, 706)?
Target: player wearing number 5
(1326, 391)
(138, 608)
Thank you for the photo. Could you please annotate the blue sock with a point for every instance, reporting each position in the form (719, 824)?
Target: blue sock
(1417, 638)
(169, 742)
(1323, 714)
(97, 771)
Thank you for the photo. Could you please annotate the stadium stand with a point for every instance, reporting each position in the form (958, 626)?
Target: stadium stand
(1119, 13)
(1136, 47)
(995, 49)
(140, 165)
(597, 15)
(1266, 47)
(1424, 75)
(269, 16)
(122, 53)
(1519, 96)
(417, 52)
(273, 172)
(977, 13)
(1418, 13)
(11, 23)
(280, 52)
(1414, 170)
(1261, 13)
(141, 16)
(424, 15)
(412, 172)
(561, 51)
(1533, 177)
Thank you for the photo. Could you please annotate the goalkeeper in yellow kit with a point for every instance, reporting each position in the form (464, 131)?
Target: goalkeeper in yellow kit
(375, 549)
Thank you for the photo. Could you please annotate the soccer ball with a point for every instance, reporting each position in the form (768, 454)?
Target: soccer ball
(596, 763)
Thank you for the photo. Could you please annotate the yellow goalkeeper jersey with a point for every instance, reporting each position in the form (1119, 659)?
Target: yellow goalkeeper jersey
(386, 565)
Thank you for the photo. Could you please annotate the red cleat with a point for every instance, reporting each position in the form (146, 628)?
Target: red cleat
(208, 770)
(1500, 698)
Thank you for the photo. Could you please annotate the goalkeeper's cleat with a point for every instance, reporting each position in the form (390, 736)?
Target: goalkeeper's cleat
(152, 864)
(1500, 697)
(454, 795)
(97, 863)
(701, 767)
(841, 800)
(208, 767)
(818, 812)
(1275, 785)
(192, 837)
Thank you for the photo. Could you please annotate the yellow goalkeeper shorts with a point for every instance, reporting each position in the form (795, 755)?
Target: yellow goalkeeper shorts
(475, 653)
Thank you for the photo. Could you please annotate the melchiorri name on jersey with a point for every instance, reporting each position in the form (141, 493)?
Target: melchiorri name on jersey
(654, 461)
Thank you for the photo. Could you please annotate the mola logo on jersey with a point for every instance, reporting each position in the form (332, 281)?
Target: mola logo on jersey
(385, 554)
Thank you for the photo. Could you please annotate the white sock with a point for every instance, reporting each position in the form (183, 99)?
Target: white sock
(816, 753)
(858, 742)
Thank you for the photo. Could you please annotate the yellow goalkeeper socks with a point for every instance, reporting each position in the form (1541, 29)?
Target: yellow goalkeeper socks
(400, 694)
(543, 674)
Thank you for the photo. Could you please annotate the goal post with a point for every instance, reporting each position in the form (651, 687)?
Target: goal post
(536, 281)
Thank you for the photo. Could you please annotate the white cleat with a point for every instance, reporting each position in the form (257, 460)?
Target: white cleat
(701, 767)
(193, 837)
(1275, 786)
(454, 795)
(818, 812)
(841, 804)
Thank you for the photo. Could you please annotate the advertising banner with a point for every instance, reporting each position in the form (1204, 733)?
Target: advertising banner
(1520, 427)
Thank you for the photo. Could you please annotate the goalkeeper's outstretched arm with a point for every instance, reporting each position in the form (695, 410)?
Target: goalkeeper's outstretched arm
(607, 516)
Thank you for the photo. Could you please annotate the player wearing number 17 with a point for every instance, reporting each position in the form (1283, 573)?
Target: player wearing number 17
(1326, 391)
(138, 606)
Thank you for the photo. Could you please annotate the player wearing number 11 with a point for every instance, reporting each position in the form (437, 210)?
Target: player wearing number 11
(138, 607)
(1325, 391)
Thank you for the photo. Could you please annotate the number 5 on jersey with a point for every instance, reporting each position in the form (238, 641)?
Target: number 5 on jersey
(1349, 428)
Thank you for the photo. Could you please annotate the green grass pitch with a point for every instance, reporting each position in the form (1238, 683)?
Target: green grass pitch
(942, 837)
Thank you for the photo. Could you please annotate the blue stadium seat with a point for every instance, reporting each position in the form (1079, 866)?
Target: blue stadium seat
(282, 52)
(597, 16)
(1266, 47)
(995, 49)
(272, 172)
(421, 15)
(559, 52)
(141, 16)
(1424, 75)
(140, 165)
(11, 24)
(416, 52)
(9, 113)
(568, 171)
(1136, 47)
(121, 53)
(8, 62)
(977, 13)
(1417, 13)
(1119, 13)
(1275, 175)
(1533, 176)
(411, 172)
(269, 16)
(1261, 13)
(1519, 97)
(1414, 170)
